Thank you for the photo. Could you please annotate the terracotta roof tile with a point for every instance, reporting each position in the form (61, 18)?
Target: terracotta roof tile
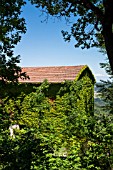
(54, 74)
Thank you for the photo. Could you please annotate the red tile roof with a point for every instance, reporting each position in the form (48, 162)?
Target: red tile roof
(55, 74)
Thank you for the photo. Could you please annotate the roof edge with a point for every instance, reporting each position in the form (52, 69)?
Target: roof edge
(82, 70)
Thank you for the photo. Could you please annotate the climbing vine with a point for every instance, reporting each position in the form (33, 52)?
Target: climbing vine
(55, 133)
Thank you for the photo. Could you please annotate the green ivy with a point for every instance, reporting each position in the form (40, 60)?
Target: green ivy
(56, 133)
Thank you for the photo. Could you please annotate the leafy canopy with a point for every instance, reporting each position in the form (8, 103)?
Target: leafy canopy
(55, 135)
(11, 28)
(84, 20)
(92, 21)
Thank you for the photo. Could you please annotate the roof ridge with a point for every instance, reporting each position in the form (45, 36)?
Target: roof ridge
(52, 66)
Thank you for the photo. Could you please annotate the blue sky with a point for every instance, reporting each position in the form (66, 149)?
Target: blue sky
(43, 45)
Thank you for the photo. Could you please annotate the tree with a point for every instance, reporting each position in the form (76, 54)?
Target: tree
(91, 19)
(11, 28)
(104, 112)
(105, 89)
(25, 150)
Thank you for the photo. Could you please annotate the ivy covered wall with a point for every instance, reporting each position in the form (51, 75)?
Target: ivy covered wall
(82, 87)
(54, 119)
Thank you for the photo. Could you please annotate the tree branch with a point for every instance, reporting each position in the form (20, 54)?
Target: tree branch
(89, 5)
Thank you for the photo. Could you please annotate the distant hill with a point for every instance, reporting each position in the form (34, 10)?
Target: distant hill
(97, 100)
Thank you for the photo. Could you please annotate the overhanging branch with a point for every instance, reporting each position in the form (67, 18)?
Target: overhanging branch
(87, 4)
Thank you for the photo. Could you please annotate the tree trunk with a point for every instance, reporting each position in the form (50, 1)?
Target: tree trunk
(108, 37)
(108, 30)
